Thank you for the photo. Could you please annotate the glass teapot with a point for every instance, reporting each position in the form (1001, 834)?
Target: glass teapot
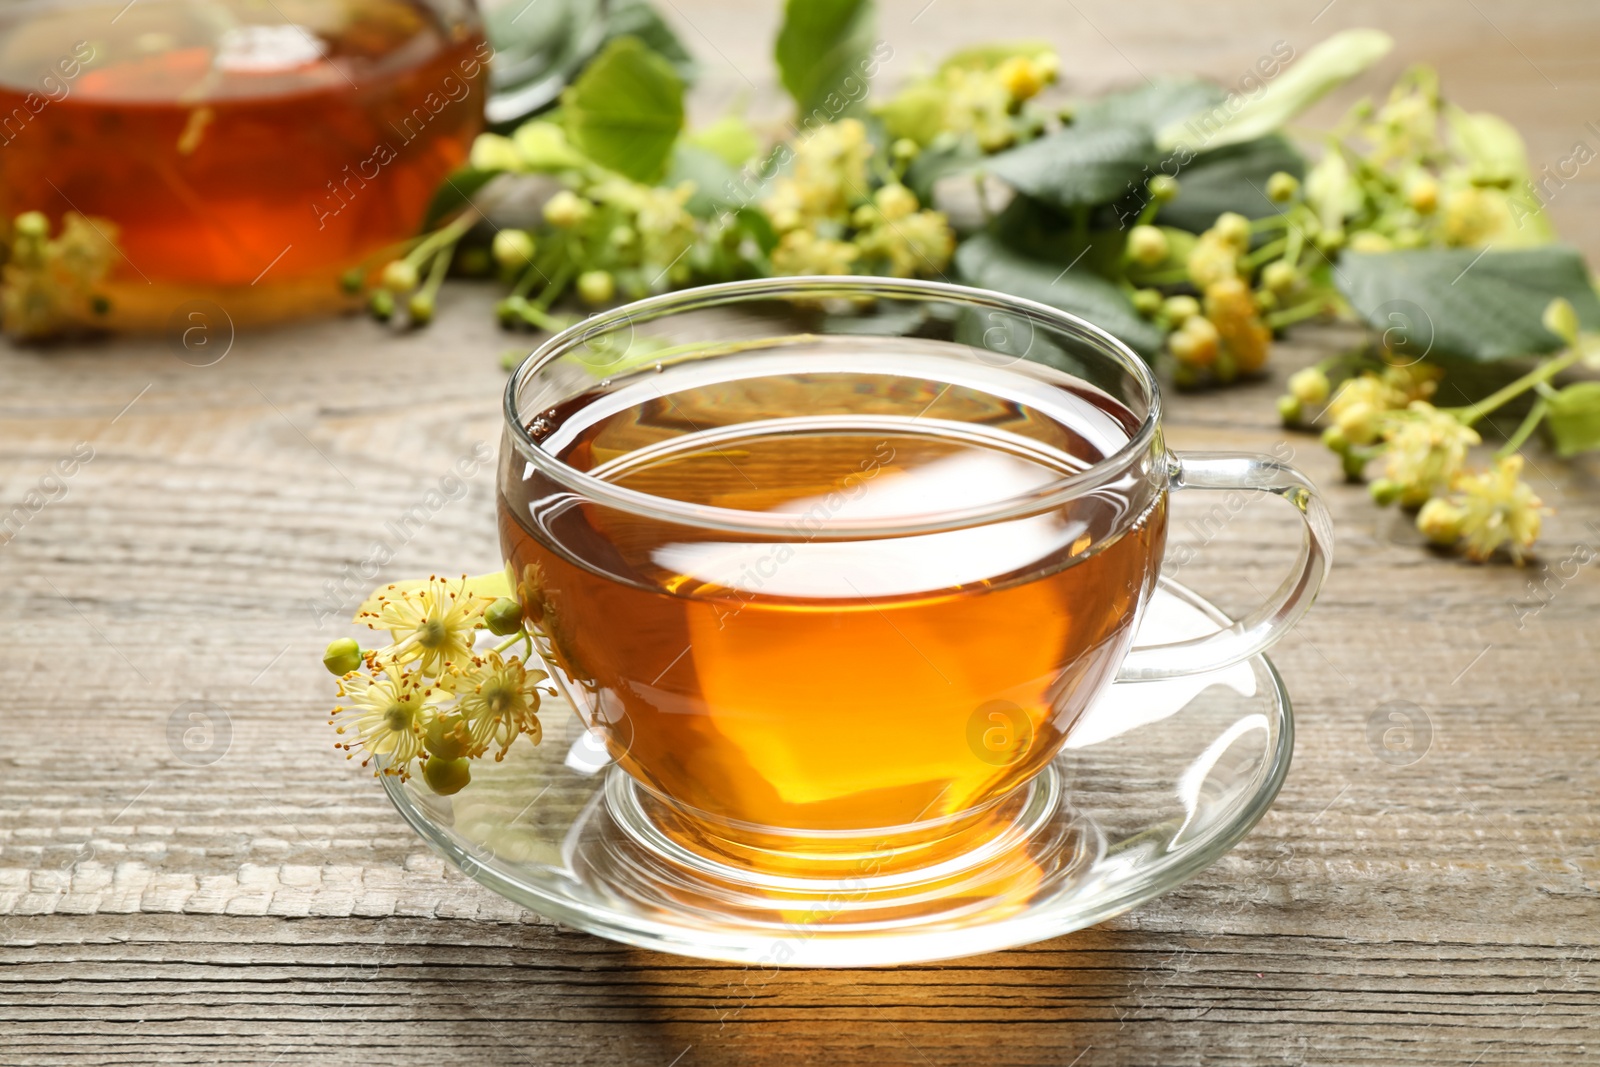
(249, 152)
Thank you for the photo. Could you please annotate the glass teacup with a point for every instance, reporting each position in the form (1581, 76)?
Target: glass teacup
(835, 564)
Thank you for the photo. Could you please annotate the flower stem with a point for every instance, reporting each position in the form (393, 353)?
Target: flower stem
(1497, 399)
(1299, 313)
(508, 642)
(1529, 424)
(441, 265)
(449, 235)
(557, 286)
(1268, 251)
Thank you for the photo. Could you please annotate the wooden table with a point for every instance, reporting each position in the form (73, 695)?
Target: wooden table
(269, 906)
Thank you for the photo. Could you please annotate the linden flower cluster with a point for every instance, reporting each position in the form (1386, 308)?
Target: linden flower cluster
(1386, 415)
(975, 95)
(829, 222)
(429, 696)
(50, 283)
(1223, 332)
(1430, 174)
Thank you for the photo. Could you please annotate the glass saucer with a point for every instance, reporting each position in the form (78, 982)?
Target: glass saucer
(1158, 781)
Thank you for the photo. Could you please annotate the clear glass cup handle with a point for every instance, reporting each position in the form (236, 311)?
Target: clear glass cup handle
(1261, 629)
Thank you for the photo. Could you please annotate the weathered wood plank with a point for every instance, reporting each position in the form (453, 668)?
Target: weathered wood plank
(271, 908)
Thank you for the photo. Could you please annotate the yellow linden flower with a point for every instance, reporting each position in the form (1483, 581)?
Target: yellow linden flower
(921, 243)
(1214, 258)
(49, 285)
(499, 702)
(1427, 449)
(391, 711)
(803, 252)
(435, 625)
(1499, 509)
(828, 179)
(1359, 407)
(1231, 307)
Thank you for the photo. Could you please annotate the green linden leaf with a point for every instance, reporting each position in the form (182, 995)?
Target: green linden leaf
(638, 18)
(1476, 304)
(456, 193)
(626, 110)
(823, 53)
(1331, 63)
(1230, 179)
(1573, 417)
(537, 48)
(1078, 165)
(1109, 150)
(985, 262)
(1151, 106)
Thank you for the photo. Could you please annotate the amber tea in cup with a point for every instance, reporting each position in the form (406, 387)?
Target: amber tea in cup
(836, 565)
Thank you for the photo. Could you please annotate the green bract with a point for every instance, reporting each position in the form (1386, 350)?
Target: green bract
(824, 55)
(626, 110)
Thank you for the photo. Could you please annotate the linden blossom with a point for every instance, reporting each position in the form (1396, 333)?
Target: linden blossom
(411, 127)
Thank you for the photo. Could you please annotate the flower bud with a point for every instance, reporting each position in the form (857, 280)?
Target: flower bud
(896, 202)
(1385, 491)
(1147, 302)
(1180, 309)
(420, 308)
(1560, 319)
(503, 617)
(445, 738)
(1334, 438)
(1147, 246)
(1196, 342)
(596, 286)
(1020, 77)
(1354, 464)
(567, 209)
(905, 150)
(1309, 386)
(446, 777)
(1423, 195)
(1289, 410)
(32, 224)
(1163, 188)
(381, 305)
(1233, 228)
(1368, 241)
(400, 276)
(623, 237)
(509, 310)
(352, 280)
(1280, 277)
(342, 656)
(1282, 187)
(1440, 521)
(513, 249)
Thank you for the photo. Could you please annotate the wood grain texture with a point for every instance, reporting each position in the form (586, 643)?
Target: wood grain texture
(269, 907)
